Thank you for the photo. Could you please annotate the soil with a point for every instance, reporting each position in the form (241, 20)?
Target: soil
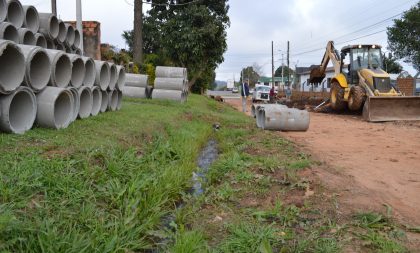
(367, 166)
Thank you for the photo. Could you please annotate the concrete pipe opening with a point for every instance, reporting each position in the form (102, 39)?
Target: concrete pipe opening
(48, 25)
(113, 76)
(68, 49)
(31, 18)
(90, 72)
(50, 44)
(61, 68)
(85, 97)
(112, 100)
(121, 78)
(3, 10)
(96, 101)
(38, 67)
(76, 104)
(103, 75)
(63, 110)
(12, 62)
(120, 98)
(78, 71)
(70, 35)
(9, 32)
(62, 31)
(77, 39)
(104, 101)
(55, 108)
(18, 111)
(15, 13)
(60, 46)
(78, 51)
(26, 37)
(41, 41)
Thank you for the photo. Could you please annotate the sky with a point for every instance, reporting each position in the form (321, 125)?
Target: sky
(307, 24)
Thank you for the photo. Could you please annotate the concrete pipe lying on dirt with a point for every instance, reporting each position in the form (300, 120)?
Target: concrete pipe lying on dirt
(15, 13)
(18, 111)
(120, 99)
(136, 80)
(26, 37)
(55, 108)
(90, 72)
(31, 20)
(76, 104)
(168, 95)
(62, 31)
(9, 32)
(112, 100)
(104, 101)
(48, 25)
(103, 75)
(256, 107)
(96, 100)
(121, 78)
(78, 70)
(85, 97)
(171, 72)
(38, 67)
(134, 92)
(40, 40)
(284, 119)
(77, 39)
(3, 10)
(70, 35)
(164, 83)
(60, 68)
(113, 76)
(12, 70)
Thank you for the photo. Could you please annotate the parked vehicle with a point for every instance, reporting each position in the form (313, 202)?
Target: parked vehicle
(235, 90)
(261, 93)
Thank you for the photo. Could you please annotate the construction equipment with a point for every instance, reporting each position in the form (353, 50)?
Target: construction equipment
(364, 84)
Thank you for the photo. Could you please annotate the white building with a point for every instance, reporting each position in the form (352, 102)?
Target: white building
(325, 85)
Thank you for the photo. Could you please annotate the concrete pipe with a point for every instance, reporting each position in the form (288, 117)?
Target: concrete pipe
(18, 111)
(113, 76)
(9, 32)
(78, 51)
(120, 99)
(78, 70)
(171, 72)
(90, 72)
(167, 94)
(55, 108)
(68, 49)
(70, 35)
(103, 75)
(85, 97)
(15, 13)
(50, 43)
(3, 10)
(136, 80)
(38, 67)
(62, 31)
(104, 101)
(112, 100)
(31, 18)
(48, 25)
(77, 39)
(26, 37)
(96, 100)
(12, 70)
(134, 92)
(121, 78)
(284, 119)
(256, 107)
(164, 83)
(60, 68)
(40, 40)
(60, 46)
(76, 104)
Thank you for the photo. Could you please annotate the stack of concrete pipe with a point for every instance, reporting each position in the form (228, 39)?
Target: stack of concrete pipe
(277, 117)
(135, 86)
(46, 87)
(171, 83)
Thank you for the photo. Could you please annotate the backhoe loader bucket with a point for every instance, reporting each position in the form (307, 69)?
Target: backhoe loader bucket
(316, 76)
(378, 109)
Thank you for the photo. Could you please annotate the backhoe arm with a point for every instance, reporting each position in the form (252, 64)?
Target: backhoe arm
(318, 74)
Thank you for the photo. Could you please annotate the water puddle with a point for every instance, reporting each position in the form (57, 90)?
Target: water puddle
(208, 155)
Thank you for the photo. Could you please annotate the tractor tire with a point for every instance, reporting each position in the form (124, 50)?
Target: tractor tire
(337, 97)
(357, 97)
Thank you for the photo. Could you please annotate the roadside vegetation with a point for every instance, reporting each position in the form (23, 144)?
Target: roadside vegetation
(120, 182)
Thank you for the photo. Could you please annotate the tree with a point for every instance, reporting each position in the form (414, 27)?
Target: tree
(404, 37)
(138, 32)
(391, 65)
(250, 74)
(286, 71)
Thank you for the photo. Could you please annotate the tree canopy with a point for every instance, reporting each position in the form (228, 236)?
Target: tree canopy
(391, 65)
(286, 71)
(251, 74)
(404, 37)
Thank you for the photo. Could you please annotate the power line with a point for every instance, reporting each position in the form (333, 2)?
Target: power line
(151, 3)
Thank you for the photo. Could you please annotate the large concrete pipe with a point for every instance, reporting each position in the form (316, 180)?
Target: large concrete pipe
(171, 72)
(62, 31)
(18, 111)
(76, 104)
(85, 95)
(134, 92)
(103, 75)
(90, 72)
(121, 78)
(284, 119)
(3, 10)
(60, 68)
(78, 70)
(15, 13)
(176, 95)
(120, 99)
(104, 102)
(38, 67)
(40, 40)
(50, 43)
(136, 80)
(96, 100)
(70, 35)
(31, 18)
(112, 100)
(113, 76)
(55, 108)
(77, 39)
(256, 107)
(9, 32)
(78, 51)
(26, 37)
(48, 25)
(164, 83)
(68, 49)
(12, 70)
(59, 46)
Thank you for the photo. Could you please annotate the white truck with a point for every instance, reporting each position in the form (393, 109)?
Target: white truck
(230, 85)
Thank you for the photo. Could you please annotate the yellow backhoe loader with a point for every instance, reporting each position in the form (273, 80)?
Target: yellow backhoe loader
(363, 84)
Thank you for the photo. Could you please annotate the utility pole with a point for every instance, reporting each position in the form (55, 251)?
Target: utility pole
(54, 7)
(282, 69)
(79, 23)
(138, 31)
(272, 63)
(288, 64)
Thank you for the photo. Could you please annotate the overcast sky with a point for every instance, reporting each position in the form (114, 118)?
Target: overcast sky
(307, 24)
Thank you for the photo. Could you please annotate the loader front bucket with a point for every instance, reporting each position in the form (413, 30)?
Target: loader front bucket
(379, 109)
